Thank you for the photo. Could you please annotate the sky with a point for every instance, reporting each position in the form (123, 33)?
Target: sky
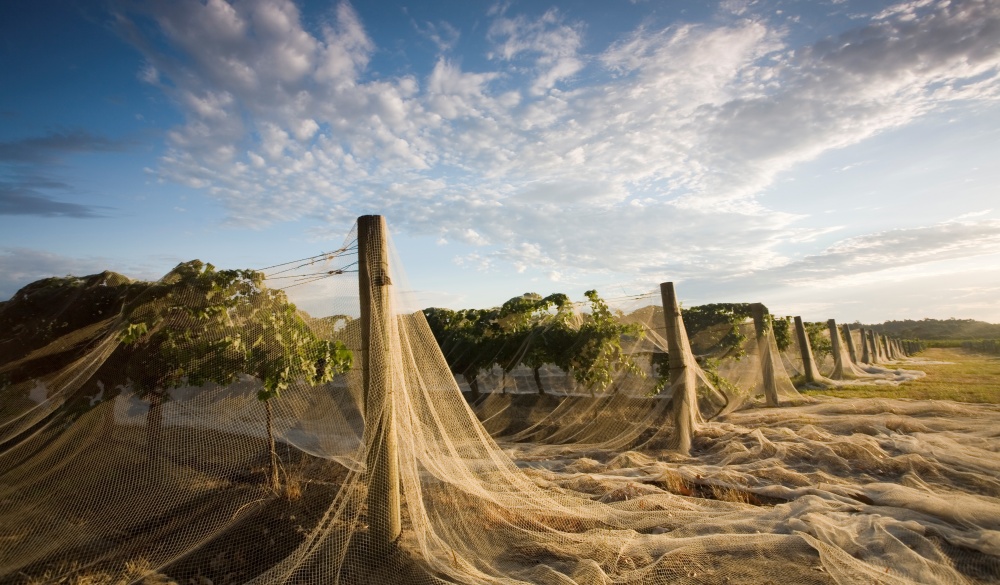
(827, 158)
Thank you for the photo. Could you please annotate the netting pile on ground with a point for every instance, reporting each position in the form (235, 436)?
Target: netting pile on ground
(200, 428)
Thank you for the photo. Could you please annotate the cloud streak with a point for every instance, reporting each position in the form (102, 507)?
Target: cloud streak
(21, 199)
(893, 250)
(55, 145)
(25, 166)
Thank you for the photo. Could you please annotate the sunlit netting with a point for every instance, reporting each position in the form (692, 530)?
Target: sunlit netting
(746, 375)
(277, 467)
(633, 409)
(744, 370)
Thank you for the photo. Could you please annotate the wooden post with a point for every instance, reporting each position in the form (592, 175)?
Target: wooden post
(873, 347)
(852, 349)
(838, 356)
(762, 328)
(382, 459)
(866, 354)
(683, 379)
(805, 349)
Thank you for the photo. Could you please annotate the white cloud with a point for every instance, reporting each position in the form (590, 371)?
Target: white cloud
(649, 155)
(346, 49)
(972, 214)
(553, 44)
(306, 129)
(149, 74)
(473, 237)
(442, 34)
(737, 7)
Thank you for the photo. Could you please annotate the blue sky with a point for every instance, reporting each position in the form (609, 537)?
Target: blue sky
(830, 159)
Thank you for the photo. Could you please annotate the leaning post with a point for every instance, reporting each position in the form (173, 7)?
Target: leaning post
(838, 357)
(683, 379)
(762, 328)
(805, 349)
(382, 459)
(852, 350)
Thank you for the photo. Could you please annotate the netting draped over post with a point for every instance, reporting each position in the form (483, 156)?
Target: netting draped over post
(837, 351)
(876, 350)
(851, 346)
(683, 379)
(809, 370)
(762, 327)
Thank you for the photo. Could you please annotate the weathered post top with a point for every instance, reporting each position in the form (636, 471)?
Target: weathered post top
(677, 340)
(758, 312)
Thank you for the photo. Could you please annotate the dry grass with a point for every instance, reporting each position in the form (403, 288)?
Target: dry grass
(137, 571)
(970, 377)
(292, 488)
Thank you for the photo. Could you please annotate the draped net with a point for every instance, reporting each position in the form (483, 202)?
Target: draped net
(107, 478)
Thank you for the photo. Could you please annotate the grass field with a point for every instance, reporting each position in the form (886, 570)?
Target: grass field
(970, 377)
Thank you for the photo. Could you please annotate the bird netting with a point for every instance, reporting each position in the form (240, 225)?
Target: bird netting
(201, 429)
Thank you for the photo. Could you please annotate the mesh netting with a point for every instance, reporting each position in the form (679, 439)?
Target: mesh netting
(199, 429)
